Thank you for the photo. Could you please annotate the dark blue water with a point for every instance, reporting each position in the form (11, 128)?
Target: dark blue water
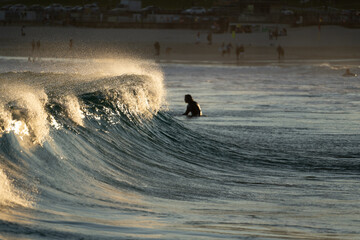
(99, 150)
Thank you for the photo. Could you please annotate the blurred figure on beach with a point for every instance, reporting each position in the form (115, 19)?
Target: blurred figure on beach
(70, 44)
(168, 51)
(280, 51)
(319, 25)
(157, 48)
(33, 46)
(222, 49)
(209, 38)
(270, 35)
(228, 48)
(197, 38)
(239, 51)
(22, 31)
(38, 45)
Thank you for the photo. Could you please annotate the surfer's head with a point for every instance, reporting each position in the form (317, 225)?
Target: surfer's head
(188, 98)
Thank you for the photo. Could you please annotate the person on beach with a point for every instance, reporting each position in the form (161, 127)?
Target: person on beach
(192, 107)
(70, 44)
(280, 52)
(197, 38)
(22, 31)
(222, 49)
(157, 48)
(209, 38)
(239, 51)
(276, 33)
(33, 45)
(228, 48)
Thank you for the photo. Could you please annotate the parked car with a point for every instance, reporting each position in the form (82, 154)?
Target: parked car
(68, 8)
(6, 7)
(195, 10)
(36, 7)
(150, 10)
(77, 8)
(217, 11)
(287, 12)
(18, 8)
(93, 8)
(117, 11)
(55, 7)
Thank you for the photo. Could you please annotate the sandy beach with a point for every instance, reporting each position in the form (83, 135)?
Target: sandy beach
(303, 43)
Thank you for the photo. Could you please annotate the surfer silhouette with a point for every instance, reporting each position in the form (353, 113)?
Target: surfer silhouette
(192, 107)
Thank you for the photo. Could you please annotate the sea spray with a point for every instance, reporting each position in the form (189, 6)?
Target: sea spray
(72, 108)
(23, 112)
(9, 195)
(277, 157)
(133, 86)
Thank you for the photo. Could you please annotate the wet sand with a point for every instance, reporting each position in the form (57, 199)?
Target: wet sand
(300, 44)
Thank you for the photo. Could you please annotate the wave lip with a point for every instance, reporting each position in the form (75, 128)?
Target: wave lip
(22, 111)
(33, 102)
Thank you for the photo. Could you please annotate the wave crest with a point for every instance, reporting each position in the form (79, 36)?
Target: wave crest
(23, 112)
(33, 102)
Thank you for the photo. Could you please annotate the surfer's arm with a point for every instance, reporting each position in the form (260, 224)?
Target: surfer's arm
(187, 110)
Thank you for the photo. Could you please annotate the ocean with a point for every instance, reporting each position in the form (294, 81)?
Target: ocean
(99, 149)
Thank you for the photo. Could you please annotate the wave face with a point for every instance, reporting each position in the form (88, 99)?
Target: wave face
(90, 150)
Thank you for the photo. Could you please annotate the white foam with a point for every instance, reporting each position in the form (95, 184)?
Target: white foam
(22, 111)
(64, 80)
(73, 110)
(9, 195)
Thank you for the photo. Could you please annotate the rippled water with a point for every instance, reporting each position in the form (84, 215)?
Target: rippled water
(98, 149)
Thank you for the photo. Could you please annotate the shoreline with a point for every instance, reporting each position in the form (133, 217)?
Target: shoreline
(332, 44)
(260, 62)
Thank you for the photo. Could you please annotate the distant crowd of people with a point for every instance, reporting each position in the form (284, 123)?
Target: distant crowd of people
(225, 49)
(276, 33)
(35, 49)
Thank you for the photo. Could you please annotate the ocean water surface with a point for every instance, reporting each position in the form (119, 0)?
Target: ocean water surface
(98, 149)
